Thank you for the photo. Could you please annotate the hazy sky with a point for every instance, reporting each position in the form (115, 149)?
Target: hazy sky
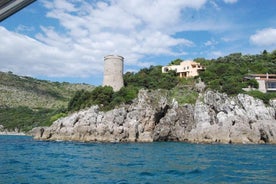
(66, 40)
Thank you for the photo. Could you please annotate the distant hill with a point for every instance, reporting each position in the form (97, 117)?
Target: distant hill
(18, 91)
(26, 102)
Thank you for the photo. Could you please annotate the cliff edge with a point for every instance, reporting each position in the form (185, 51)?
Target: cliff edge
(214, 118)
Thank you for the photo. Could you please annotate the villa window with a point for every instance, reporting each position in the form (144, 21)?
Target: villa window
(271, 85)
(166, 69)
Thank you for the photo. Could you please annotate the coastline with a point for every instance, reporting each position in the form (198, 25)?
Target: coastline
(214, 118)
(12, 133)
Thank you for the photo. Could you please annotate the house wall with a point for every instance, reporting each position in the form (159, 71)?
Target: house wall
(267, 82)
(262, 87)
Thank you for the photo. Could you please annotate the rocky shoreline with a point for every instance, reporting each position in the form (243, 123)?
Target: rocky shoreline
(153, 116)
(3, 131)
(12, 133)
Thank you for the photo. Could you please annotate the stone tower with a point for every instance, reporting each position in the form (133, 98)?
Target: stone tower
(113, 72)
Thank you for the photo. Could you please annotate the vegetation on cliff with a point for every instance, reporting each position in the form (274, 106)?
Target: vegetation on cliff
(151, 78)
(226, 74)
(106, 98)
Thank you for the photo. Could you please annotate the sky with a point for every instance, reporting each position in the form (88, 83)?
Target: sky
(66, 40)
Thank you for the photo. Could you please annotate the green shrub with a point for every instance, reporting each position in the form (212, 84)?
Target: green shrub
(56, 117)
(252, 83)
(125, 94)
(184, 95)
(104, 97)
(151, 78)
(176, 62)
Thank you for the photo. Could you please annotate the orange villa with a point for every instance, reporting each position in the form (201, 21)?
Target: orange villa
(186, 68)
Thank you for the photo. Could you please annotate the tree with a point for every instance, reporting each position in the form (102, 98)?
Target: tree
(79, 100)
(151, 78)
(176, 62)
(102, 96)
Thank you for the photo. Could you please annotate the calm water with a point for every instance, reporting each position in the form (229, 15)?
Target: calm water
(24, 160)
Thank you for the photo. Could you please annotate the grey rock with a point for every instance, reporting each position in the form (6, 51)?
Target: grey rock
(215, 117)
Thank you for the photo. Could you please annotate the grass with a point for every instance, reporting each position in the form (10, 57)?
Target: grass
(183, 93)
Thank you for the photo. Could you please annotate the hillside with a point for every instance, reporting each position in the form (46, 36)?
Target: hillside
(26, 102)
(226, 74)
(33, 93)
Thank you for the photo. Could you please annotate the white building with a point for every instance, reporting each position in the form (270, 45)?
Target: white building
(267, 82)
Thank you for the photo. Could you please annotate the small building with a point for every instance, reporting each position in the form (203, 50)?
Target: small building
(267, 82)
(185, 69)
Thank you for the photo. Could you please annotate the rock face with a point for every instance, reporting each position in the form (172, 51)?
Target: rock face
(240, 119)
(153, 117)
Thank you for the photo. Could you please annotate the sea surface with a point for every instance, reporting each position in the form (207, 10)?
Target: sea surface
(24, 160)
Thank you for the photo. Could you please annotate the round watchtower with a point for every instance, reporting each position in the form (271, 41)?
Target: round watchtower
(113, 72)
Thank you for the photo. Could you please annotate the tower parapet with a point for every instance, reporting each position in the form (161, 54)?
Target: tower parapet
(113, 72)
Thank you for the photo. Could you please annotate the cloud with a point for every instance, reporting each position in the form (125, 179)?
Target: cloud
(230, 1)
(89, 30)
(264, 37)
(210, 43)
(22, 28)
(130, 28)
(28, 56)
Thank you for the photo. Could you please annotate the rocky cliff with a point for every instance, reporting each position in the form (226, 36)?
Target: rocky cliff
(152, 116)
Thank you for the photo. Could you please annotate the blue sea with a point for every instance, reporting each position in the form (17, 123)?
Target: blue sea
(24, 160)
